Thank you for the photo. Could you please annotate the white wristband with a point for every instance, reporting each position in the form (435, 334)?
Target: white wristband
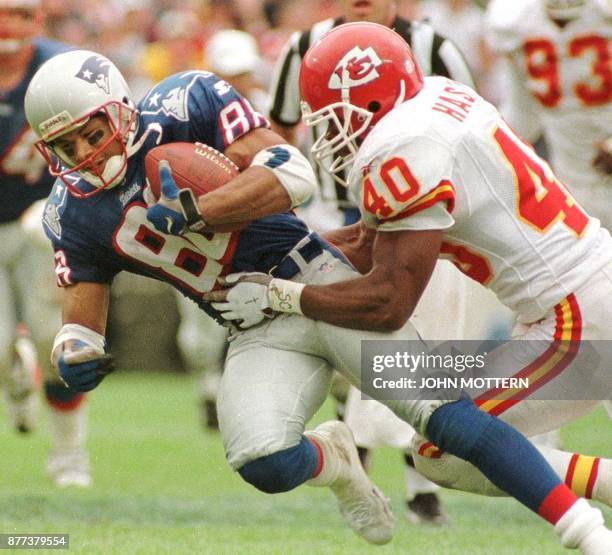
(292, 169)
(284, 295)
(70, 332)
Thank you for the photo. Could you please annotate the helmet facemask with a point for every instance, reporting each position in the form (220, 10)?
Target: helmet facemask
(337, 146)
(349, 80)
(121, 120)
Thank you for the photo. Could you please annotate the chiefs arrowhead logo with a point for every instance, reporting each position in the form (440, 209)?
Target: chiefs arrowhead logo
(357, 67)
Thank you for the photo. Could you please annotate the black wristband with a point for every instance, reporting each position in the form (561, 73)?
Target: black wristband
(191, 212)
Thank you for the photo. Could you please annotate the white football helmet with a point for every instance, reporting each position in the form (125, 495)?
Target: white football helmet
(564, 10)
(63, 94)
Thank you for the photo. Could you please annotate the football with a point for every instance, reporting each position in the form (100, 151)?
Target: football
(195, 166)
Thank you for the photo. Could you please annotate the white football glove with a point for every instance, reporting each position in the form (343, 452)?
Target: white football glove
(246, 303)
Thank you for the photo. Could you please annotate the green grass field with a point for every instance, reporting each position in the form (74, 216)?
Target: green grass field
(162, 486)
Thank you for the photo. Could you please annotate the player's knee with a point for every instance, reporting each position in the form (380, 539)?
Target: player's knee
(457, 427)
(283, 470)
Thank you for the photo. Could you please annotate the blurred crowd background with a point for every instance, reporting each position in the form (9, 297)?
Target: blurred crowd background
(151, 39)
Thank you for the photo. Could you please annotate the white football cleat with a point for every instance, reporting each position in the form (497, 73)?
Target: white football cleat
(23, 385)
(362, 504)
(69, 468)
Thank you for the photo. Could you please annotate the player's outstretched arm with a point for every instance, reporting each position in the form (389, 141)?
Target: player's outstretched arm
(79, 350)
(385, 297)
(355, 241)
(381, 300)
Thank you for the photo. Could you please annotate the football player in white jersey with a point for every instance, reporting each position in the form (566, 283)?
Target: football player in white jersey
(438, 173)
(559, 76)
(559, 69)
(331, 208)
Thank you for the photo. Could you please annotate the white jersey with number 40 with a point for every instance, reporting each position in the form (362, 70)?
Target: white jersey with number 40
(445, 159)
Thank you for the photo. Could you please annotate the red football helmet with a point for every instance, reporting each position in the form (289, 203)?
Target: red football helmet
(350, 79)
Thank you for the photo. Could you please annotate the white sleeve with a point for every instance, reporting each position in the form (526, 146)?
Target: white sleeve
(605, 6)
(293, 171)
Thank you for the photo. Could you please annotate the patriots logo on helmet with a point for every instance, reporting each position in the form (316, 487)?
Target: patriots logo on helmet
(357, 67)
(95, 71)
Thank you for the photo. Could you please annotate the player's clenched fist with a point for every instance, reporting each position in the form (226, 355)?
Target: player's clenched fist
(176, 211)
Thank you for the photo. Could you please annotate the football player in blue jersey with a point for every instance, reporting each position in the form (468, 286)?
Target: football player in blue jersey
(277, 372)
(27, 295)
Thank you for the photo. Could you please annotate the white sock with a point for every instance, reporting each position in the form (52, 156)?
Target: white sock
(598, 542)
(577, 523)
(330, 469)
(417, 483)
(602, 490)
(68, 428)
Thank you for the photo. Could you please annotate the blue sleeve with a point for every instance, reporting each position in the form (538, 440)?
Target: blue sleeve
(80, 254)
(224, 115)
(74, 263)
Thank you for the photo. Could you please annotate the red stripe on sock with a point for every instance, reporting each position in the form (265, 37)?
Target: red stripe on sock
(569, 475)
(557, 503)
(592, 478)
(66, 406)
(319, 458)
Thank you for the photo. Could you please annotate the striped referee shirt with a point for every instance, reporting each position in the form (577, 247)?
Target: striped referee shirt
(436, 55)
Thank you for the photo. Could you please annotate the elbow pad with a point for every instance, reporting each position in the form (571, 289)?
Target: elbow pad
(292, 170)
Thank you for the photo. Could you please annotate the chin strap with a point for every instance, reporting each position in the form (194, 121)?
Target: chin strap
(402, 94)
